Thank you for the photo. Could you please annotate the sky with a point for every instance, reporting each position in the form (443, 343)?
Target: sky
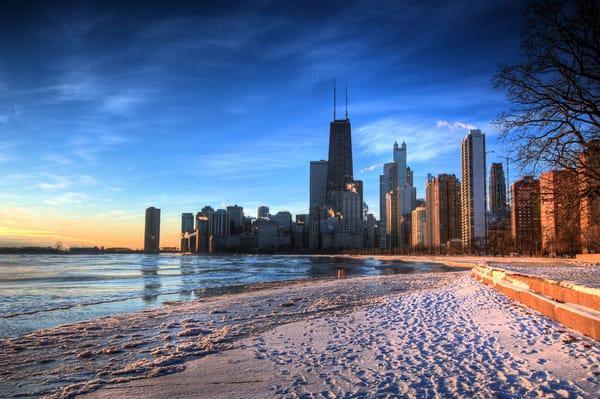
(107, 108)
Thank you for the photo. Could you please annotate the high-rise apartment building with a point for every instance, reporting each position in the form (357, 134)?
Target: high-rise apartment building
(525, 216)
(443, 203)
(152, 230)
(473, 192)
(497, 190)
(559, 200)
(418, 220)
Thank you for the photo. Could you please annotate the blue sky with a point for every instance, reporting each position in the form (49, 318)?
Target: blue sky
(107, 108)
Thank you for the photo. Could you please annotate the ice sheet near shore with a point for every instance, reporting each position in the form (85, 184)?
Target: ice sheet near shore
(420, 335)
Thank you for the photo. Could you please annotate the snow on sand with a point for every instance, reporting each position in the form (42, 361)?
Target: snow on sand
(462, 339)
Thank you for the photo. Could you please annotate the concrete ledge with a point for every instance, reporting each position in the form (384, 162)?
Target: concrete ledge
(588, 258)
(577, 317)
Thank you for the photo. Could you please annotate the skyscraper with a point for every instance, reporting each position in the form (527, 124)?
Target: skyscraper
(236, 219)
(339, 167)
(219, 223)
(317, 201)
(397, 176)
(392, 219)
(526, 216)
(497, 190)
(187, 227)
(187, 222)
(418, 220)
(344, 194)
(473, 191)
(444, 205)
(387, 182)
(152, 230)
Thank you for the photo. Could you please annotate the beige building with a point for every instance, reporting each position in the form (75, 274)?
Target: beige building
(418, 220)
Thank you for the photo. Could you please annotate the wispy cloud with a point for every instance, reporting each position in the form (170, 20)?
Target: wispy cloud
(57, 158)
(68, 198)
(455, 125)
(54, 182)
(371, 168)
(122, 103)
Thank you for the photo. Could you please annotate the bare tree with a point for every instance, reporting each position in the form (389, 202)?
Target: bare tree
(555, 91)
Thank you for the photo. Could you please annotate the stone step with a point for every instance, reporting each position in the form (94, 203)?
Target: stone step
(574, 306)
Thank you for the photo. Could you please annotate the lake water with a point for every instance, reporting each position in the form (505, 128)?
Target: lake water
(42, 291)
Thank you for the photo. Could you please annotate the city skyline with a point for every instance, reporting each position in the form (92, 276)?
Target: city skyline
(95, 132)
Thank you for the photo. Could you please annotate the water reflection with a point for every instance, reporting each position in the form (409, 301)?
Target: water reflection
(150, 278)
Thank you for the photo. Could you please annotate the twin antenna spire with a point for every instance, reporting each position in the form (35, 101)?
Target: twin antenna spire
(335, 98)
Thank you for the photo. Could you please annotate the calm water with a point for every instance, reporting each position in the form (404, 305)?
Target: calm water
(41, 291)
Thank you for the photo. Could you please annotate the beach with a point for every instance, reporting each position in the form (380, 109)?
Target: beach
(431, 334)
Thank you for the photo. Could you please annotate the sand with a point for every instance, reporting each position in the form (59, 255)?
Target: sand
(461, 340)
(427, 335)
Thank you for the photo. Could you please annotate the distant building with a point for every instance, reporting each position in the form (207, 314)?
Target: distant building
(525, 216)
(236, 219)
(429, 211)
(444, 205)
(152, 230)
(392, 220)
(202, 233)
(473, 192)
(187, 222)
(387, 182)
(219, 223)
(371, 232)
(263, 212)
(559, 200)
(187, 227)
(284, 222)
(267, 233)
(317, 202)
(418, 220)
(497, 190)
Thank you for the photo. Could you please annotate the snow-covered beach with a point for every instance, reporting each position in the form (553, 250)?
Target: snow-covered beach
(435, 334)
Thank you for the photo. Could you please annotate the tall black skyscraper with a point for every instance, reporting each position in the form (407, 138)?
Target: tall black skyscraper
(152, 230)
(339, 167)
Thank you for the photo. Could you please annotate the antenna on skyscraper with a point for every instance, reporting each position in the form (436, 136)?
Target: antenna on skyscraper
(334, 99)
(346, 99)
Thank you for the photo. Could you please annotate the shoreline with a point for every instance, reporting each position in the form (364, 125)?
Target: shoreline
(458, 339)
(79, 357)
(178, 344)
